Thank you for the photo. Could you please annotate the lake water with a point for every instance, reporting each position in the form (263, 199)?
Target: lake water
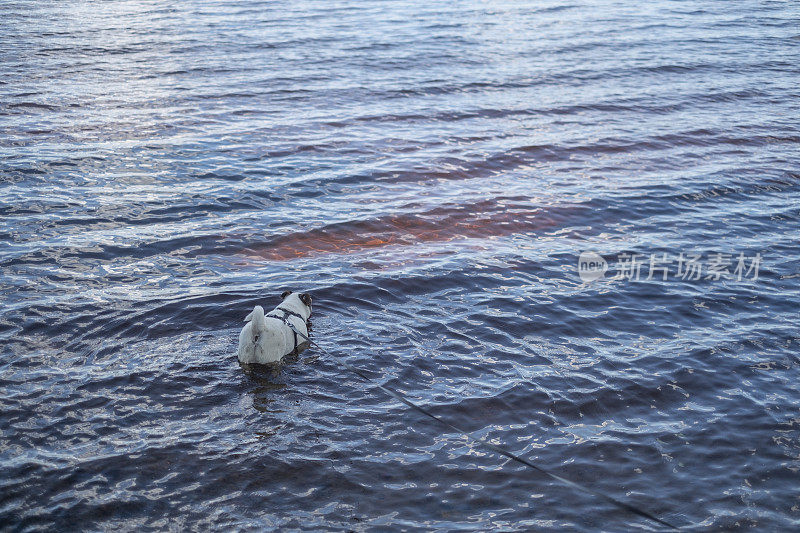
(431, 172)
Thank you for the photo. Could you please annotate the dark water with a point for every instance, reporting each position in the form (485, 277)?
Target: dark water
(431, 172)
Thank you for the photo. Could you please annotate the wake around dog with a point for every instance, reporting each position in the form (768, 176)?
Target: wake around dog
(266, 338)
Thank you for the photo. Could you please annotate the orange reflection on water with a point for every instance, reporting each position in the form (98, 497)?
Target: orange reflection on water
(488, 218)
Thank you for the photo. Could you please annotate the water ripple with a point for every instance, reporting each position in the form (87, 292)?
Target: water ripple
(431, 174)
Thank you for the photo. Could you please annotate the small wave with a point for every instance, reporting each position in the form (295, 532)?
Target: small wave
(489, 218)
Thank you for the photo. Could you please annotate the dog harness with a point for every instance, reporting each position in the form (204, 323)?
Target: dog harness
(285, 319)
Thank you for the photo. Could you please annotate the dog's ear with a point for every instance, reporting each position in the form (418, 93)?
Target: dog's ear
(306, 299)
(284, 294)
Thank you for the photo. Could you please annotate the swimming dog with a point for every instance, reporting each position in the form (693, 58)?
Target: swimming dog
(266, 338)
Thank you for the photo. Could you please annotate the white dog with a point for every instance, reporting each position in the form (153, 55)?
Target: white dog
(267, 338)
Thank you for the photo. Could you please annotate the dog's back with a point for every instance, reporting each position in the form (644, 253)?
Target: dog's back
(260, 343)
(267, 338)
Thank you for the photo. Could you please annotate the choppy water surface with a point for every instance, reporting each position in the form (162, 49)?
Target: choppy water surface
(431, 172)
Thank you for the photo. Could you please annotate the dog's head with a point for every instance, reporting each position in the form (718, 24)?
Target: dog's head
(297, 302)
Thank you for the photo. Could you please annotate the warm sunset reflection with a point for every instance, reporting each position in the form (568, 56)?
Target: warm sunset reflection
(489, 218)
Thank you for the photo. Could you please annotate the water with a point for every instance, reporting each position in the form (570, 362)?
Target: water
(431, 173)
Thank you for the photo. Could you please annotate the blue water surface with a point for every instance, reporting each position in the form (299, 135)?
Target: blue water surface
(431, 172)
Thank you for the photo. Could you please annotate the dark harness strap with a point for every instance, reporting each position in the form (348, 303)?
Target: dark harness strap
(285, 319)
(287, 312)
